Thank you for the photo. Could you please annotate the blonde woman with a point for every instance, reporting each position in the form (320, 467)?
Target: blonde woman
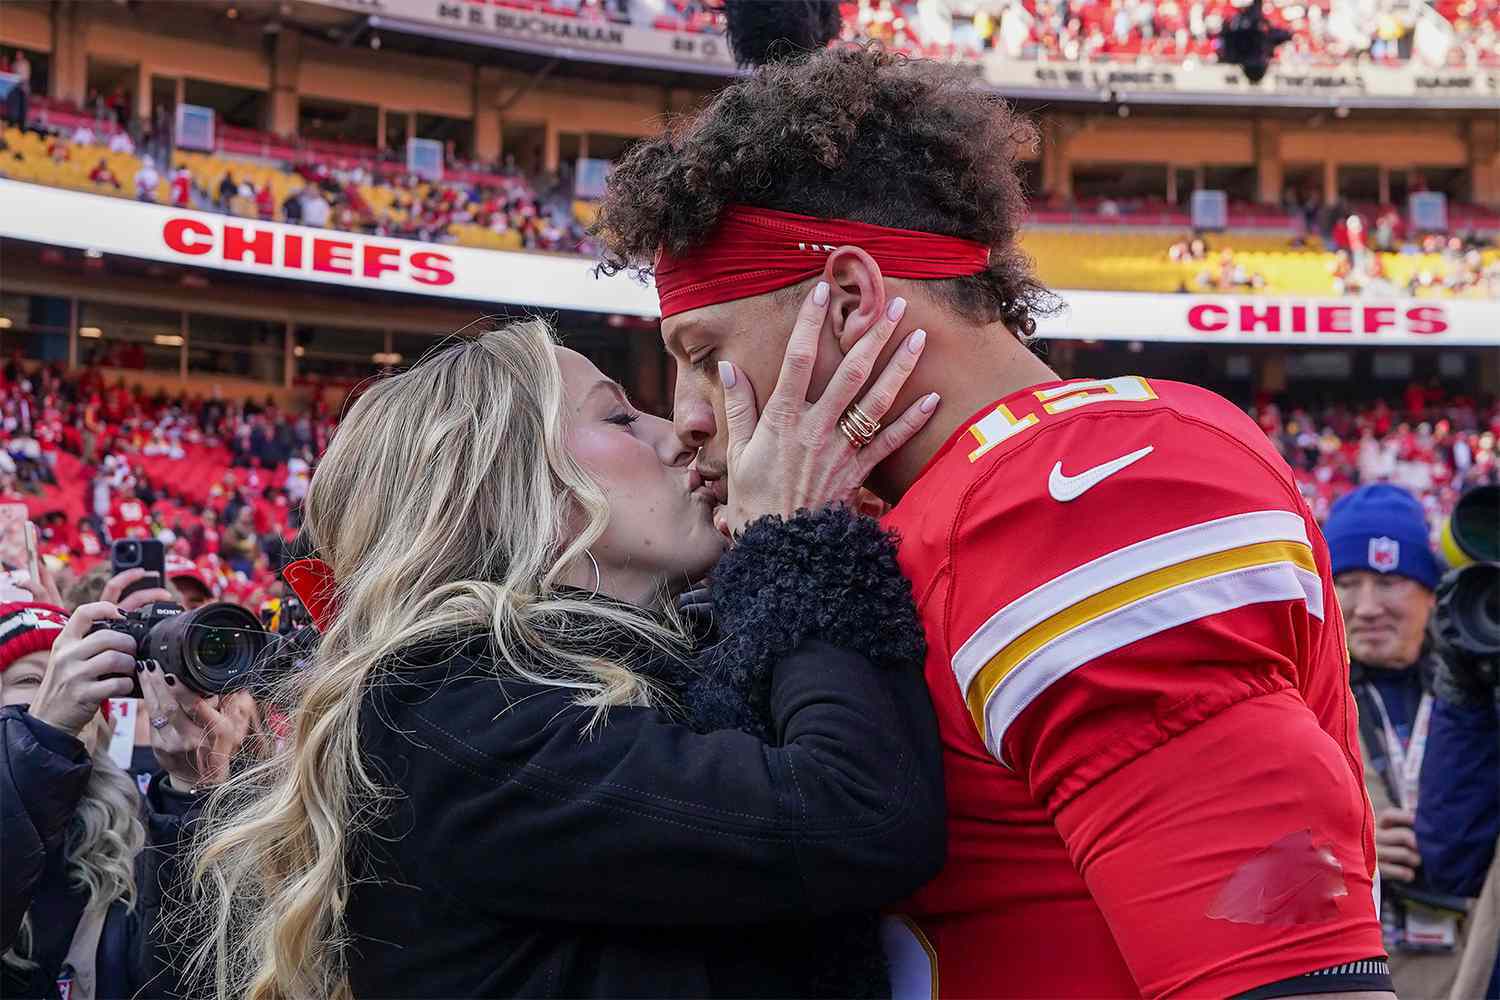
(507, 777)
(81, 894)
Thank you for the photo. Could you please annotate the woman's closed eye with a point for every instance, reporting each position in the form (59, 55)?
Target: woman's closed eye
(622, 419)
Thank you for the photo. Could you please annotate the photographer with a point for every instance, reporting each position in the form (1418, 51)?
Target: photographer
(1385, 574)
(1458, 820)
(82, 893)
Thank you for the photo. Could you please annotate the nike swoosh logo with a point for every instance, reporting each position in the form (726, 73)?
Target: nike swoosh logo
(1064, 488)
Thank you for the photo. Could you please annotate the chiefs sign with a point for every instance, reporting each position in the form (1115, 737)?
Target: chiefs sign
(282, 248)
(1333, 322)
(302, 253)
(558, 281)
(1321, 318)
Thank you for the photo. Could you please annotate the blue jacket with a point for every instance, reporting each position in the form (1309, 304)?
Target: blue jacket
(1458, 816)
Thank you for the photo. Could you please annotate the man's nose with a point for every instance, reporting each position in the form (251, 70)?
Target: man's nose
(693, 417)
(1367, 602)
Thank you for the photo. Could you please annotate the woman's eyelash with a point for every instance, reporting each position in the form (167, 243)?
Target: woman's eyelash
(623, 419)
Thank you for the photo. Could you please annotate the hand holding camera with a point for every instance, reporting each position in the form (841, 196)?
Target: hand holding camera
(195, 736)
(90, 662)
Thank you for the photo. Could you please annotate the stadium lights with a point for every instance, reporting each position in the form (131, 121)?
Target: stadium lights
(382, 358)
(93, 254)
(90, 332)
(4, 322)
(167, 340)
(298, 351)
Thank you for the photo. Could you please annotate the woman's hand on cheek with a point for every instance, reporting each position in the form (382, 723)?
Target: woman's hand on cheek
(794, 455)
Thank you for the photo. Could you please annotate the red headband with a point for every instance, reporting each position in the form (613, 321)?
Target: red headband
(757, 250)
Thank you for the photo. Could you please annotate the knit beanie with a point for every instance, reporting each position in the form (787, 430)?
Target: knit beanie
(28, 627)
(1381, 528)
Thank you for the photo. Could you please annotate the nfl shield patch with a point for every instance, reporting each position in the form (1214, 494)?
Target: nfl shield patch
(1385, 554)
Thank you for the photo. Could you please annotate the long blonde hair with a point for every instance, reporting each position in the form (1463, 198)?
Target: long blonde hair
(102, 840)
(441, 506)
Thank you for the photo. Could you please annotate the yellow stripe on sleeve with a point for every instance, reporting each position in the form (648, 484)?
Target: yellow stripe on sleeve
(1119, 596)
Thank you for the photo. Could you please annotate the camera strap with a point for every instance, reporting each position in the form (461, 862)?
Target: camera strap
(1406, 759)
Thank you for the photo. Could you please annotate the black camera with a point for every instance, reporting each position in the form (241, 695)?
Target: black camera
(213, 649)
(1466, 622)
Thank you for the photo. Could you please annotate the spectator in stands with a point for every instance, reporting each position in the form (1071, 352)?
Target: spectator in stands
(101, 174)
(121, 142)
(182, 188)
(119, 107)
(21, 67)
(83, 135)
(146, 180)
(291, 208)
(265, 202)
(186, 579)
(315, 209)
(241, 547)
(227, 191)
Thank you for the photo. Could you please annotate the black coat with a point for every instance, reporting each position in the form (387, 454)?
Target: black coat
(43, 774)
(520, 857)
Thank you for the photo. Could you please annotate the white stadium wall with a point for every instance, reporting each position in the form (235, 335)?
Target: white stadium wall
(58, 217)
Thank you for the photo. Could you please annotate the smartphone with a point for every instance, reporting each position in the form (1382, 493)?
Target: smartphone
(13, 521)
(33, 560)
(146, 554)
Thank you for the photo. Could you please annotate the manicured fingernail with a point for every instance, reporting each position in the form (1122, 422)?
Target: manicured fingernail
(895, 309)
(820, 294)
(172, 681)
(916, 340)
(726, 374)
(930, 403)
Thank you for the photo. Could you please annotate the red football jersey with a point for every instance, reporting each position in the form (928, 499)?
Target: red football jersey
(1136, 656)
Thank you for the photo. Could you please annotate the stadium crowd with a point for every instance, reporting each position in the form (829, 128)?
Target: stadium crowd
(221, 482)
(351, 195)
(1445, 32)
(1450, 32)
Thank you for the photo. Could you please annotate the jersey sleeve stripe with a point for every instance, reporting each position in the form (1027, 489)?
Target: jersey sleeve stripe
(1129, 612)
(1124, 564)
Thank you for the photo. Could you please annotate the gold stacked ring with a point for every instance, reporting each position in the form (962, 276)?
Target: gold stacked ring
(858, 427)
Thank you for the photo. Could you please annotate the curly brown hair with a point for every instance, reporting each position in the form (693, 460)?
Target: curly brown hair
(849, 133)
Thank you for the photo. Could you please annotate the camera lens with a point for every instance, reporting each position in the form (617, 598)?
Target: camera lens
(213, 649)
(130, 553)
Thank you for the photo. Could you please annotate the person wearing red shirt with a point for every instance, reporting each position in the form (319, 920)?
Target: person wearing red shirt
(129, 518)
(182, 188)
(101, 174)
(265, 204)
(1137, 664)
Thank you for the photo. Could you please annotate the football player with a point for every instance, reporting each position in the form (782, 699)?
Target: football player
(1135, 653)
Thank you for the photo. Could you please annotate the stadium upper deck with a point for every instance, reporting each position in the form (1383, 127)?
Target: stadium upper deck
(313, 102)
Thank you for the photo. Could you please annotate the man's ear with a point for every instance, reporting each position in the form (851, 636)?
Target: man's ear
(858, 294)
